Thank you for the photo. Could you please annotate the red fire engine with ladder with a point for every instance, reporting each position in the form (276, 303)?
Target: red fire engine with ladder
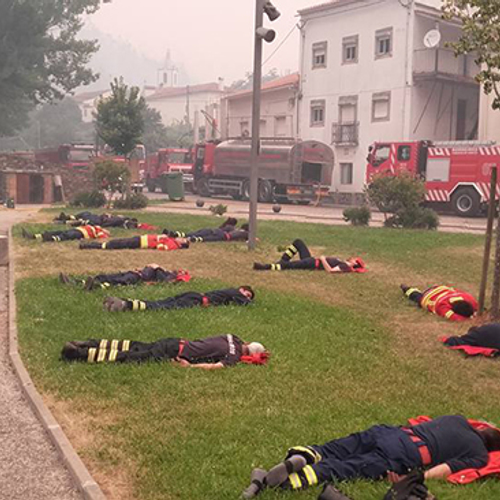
(456, 173)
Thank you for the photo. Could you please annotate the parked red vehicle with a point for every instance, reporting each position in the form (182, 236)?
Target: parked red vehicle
(289, 169)
(456, 173)
(166, 161)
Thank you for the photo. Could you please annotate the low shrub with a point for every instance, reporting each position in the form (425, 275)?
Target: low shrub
(358, 216)
(414, 218)
(91, 199)
(133, 201)
(219, 209)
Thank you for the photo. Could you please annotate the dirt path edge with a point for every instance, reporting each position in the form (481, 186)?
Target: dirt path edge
(80, 474)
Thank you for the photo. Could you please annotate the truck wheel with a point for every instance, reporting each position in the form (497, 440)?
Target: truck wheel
(245, 190)
(265, 193)
(466, 202)
(151, 185)
(203, 188)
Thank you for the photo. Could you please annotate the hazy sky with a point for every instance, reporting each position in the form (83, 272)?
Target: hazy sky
(211, 38)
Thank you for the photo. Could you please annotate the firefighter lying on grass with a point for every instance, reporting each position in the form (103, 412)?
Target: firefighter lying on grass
(241, 296)
(446, 447)
(103, 220)
(443, 301)
(226, 232)
(153, 273)
(78, 233)
(147, 241)
(307, 261)
(227, 226)
(210, 353)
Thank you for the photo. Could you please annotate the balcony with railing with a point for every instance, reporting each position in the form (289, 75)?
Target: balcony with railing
(442, 64)
(345, 134)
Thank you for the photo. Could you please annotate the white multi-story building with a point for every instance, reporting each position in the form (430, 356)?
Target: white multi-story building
(178, 104)
(372, 72)
(278, 110)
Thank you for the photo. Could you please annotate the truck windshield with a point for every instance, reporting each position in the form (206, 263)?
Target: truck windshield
(80, 155)
(381, 154)
(177, 158)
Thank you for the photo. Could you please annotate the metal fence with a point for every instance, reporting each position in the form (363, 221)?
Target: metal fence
(345, 133)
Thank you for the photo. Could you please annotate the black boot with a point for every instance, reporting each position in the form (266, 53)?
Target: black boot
(261, 267)
(256, 485)
(279, 473)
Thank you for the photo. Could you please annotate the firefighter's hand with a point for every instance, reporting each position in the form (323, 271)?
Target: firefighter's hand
(181, 362)
(395, 478)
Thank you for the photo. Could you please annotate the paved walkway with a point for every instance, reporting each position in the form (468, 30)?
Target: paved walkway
(30, 466)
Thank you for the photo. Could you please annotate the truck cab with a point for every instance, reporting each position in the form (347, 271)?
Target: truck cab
(165, 161)
(395, 158)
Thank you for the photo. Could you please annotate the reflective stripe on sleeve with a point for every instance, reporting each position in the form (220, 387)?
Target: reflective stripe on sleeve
(126, 345)
(449, 314)
(114, 344)
(103, 344)
(112, 354)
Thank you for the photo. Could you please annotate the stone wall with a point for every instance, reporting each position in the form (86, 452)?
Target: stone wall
(74, 181)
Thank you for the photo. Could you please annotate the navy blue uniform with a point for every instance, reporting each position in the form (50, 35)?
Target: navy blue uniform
(487, 336)
(192, 299)
(372, 453)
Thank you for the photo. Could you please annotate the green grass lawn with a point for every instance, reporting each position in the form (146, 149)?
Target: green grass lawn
(348, 352)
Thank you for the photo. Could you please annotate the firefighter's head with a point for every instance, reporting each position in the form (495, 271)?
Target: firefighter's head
(358, 265)
(462, 308)
(491, 438)
(247, 291)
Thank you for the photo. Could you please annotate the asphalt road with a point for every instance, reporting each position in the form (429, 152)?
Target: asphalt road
(309, 213)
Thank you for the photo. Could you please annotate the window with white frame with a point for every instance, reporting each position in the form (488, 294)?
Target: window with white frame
(346, 173)
(318, 113)
(381, 107)
(348, 109)
(383, 43)
(350, 49)
(319, 55)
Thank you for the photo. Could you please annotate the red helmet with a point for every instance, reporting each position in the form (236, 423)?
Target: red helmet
(359, 265)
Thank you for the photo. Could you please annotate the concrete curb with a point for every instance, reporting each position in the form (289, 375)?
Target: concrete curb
(81, 476)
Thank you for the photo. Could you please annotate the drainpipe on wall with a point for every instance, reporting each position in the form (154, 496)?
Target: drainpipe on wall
(410, 21)
(301, 26)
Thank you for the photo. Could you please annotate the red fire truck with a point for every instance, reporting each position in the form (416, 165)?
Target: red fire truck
(165, 161)
(289, 169)
(71, 155)
(456, 173)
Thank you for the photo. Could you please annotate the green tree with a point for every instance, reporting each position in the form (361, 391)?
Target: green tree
(113, 177)
(155, 133)
(180, 135)
(41, 57)
(120, 118)
(480, 35)
(51, 125)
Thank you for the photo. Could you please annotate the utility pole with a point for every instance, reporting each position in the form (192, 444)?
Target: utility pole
(188, 119)
(268, 35)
